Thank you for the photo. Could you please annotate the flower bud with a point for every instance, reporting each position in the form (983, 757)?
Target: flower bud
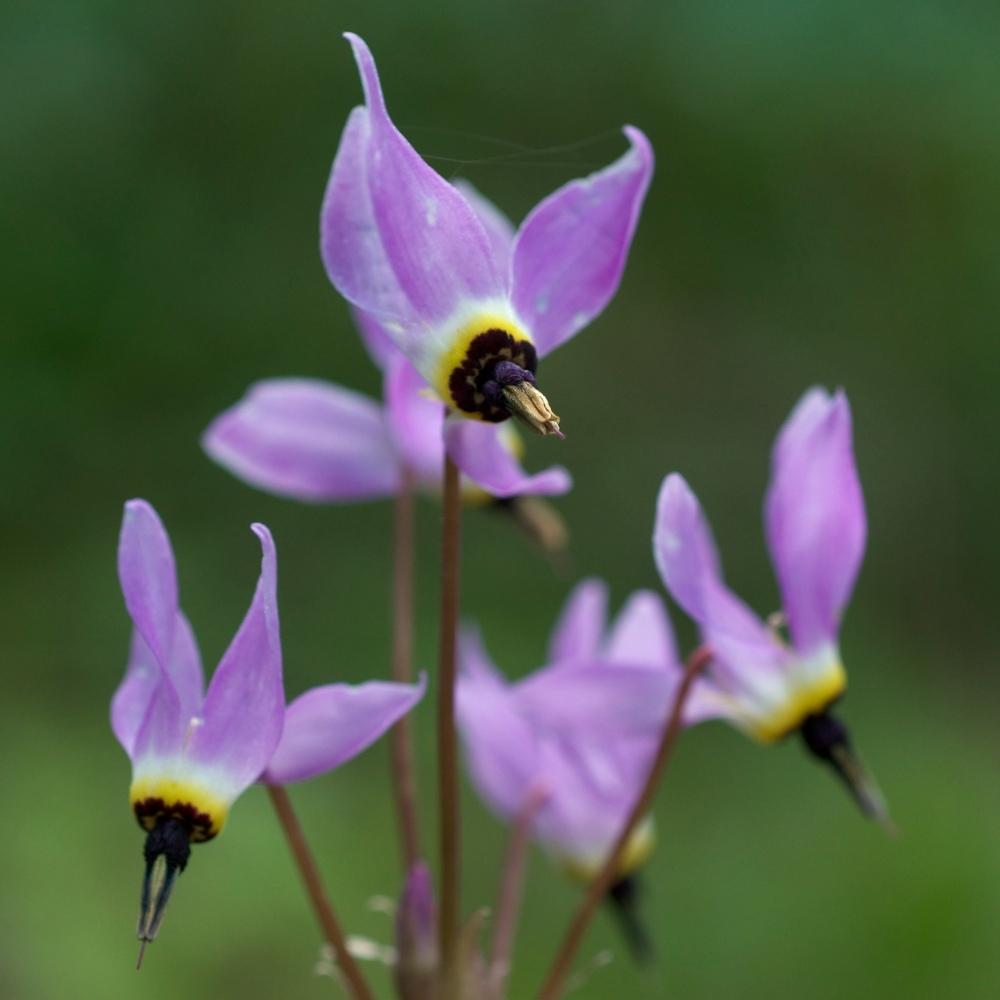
(416, 937)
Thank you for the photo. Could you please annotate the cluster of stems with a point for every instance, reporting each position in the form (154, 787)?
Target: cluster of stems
(453, 976)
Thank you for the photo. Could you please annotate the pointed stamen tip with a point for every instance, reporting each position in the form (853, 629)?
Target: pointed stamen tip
(142, 951)
(524, 401)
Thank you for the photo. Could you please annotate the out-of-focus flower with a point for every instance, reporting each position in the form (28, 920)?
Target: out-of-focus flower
(471, 310)
(816, 532)
(560, 731)
(194, 753)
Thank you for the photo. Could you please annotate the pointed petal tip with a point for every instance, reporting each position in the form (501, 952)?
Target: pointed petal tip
(674, 491)
(368, 71)
(639, 141)
(137, 505)
(269, 555)
(263, 532)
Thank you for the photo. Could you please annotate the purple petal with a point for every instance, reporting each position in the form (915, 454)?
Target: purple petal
(570, 251)
(579, 820)
(161, 732)
(436, 247)
(327, 726)
(612, 707)
(473, 659)
(308, 440)
(350, 242)
(379, 343)
(598, 698)
(131, 701)
(501, 747)
(815, 517)
(245, 705)
(416, 422)
(689, 566)
(482, 453)
(499, 228)
(148, 577)
(185, 667)
(642, 634)
(580, 628)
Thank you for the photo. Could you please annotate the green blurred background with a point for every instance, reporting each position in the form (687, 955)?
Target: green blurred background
(826, 209)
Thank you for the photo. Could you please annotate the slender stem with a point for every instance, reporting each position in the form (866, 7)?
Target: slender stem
(509, 896)
(355, 983)
(404, 782)
(447, 749)
(555, 981)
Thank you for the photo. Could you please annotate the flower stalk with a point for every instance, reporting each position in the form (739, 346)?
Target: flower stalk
(404, 782)
(446, 733)
(509, 897)
(297, 843)
(554, 984)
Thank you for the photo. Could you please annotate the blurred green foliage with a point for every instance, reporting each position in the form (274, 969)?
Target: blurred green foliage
(826, 209)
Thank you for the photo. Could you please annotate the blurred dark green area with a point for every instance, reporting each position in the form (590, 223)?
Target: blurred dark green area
(826, 209)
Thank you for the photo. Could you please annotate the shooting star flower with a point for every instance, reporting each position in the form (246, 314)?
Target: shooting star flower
(194, 753)
(472, 314)
(816, 532)
(319, 442)
(563, 731)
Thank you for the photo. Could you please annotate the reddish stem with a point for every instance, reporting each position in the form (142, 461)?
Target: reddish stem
(509, 896)
(322, 907)
(404, 783)
(447, 740)
(555, 982)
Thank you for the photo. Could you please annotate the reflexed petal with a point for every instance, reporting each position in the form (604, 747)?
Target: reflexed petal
(641, 633)
(500, 744)
(416, 422)
(473, 659)
(815, 517)
(148, 577)
(161, 732)
(185, 667)
(478, 449)
(499, 228)
(350, 242)
(308, 440)
(245, 705)
(598, 698)
(578, 820)
(689, 566)
(580, 628)
(131, 700)
(436, 246)
(142, 675)
(570, 251)
(378, 341)
(327, 726)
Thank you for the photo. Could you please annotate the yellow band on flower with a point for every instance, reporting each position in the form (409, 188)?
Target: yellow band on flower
(476, 346)
(808, 698)
(637, 852)
(202, 812)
